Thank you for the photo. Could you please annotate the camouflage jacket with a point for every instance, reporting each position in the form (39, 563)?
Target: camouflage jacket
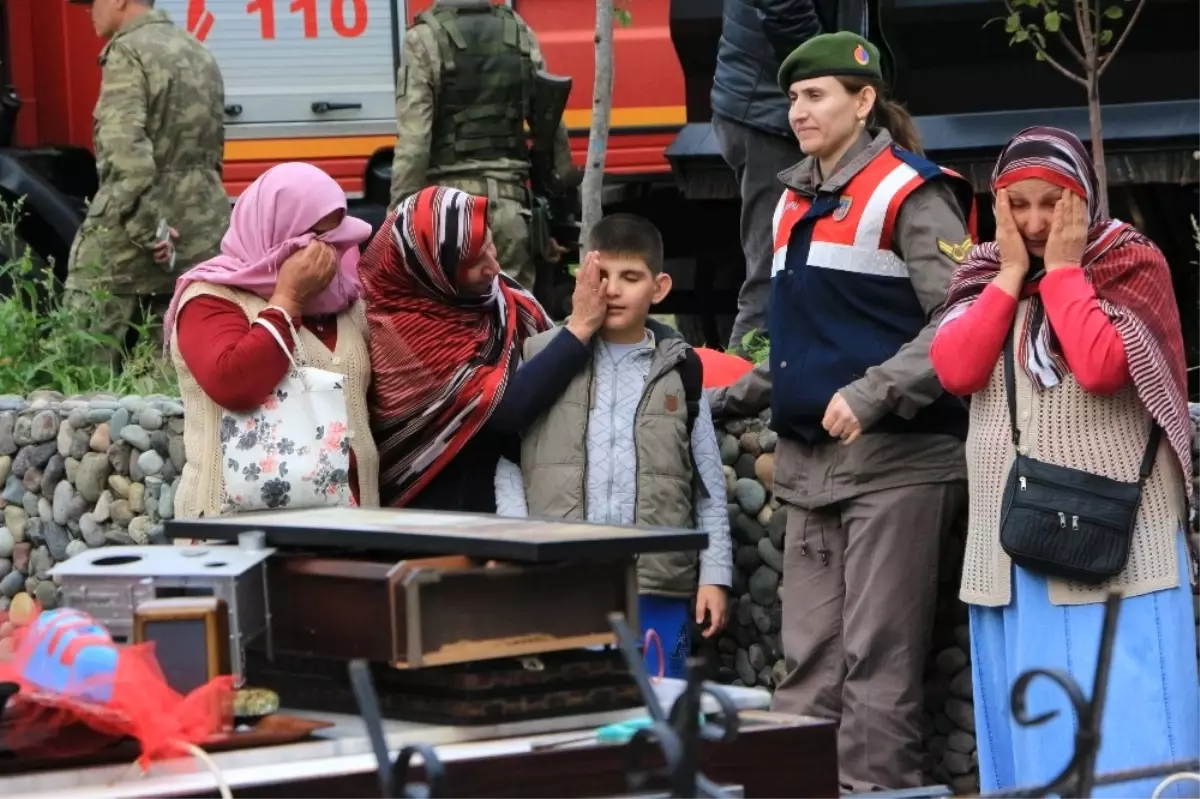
(159, 135)
(416, 105)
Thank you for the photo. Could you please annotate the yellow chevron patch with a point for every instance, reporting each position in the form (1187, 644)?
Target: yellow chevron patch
(956, 252)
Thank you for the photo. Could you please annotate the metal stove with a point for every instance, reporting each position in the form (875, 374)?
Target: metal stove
(109, 583)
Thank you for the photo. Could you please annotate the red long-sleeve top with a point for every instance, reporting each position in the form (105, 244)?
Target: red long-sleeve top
(238, 364)
(965, 350)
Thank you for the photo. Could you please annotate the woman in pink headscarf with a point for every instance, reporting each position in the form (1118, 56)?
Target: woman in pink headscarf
(290, 258)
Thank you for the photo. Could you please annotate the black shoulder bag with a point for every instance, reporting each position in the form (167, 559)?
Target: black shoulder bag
(1064, 522)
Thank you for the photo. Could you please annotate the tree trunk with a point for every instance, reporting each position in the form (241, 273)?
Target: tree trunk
(1097, 133)
(592, 189)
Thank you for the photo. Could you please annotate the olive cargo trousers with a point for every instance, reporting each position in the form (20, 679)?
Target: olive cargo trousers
(508, 218)
(859, 595)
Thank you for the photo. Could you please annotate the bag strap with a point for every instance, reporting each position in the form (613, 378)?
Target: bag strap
(1151, 452)
(278, 339)
(1010, 390)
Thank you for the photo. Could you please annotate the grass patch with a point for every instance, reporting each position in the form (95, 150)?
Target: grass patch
(50, 345)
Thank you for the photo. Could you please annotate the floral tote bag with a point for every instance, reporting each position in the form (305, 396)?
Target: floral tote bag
(293, 451)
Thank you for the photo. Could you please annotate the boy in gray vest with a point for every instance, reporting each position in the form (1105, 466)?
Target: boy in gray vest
(630, 438)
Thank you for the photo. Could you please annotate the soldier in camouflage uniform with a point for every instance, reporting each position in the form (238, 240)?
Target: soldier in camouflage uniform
(463, 95)
(159, 138)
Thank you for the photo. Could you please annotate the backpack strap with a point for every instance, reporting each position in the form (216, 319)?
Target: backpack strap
(691, 372)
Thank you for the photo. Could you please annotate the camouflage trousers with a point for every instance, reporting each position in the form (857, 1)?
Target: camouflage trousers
(508, 219)
(121, 317)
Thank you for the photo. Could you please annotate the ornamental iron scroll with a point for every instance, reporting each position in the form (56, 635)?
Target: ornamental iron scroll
(393, 776)
(675, 734)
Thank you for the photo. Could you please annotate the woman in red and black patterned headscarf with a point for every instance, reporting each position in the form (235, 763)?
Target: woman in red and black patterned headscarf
(1098, 380)
(446, 330)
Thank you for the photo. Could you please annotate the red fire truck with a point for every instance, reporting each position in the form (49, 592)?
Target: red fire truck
(314, 80)
(310, 80)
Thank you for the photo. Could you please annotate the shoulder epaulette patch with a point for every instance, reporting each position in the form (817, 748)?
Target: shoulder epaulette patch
(956, 252)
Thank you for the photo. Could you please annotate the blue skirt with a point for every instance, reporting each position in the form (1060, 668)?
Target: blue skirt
(1152, 710)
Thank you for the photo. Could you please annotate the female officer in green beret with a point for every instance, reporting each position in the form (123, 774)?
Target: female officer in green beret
(869, 467)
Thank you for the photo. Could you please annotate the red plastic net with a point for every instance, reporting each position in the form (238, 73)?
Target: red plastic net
(79, 692)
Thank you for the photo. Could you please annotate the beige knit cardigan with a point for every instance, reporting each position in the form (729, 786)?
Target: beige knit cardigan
(202, 484)
(1067, 426)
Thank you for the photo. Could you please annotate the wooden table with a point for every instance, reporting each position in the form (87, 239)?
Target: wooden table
(774, 755)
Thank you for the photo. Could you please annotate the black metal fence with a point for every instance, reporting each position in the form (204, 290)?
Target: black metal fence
(676, 733)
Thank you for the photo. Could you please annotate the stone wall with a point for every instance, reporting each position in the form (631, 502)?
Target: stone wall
(81, 473)
(750, 651)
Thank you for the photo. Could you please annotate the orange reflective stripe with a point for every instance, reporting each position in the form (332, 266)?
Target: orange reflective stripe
(794, 207)
(889, 225)
(865, 220)
(843, 226)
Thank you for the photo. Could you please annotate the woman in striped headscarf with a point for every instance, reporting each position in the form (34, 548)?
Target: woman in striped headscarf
(1087, 304)
(446, 330)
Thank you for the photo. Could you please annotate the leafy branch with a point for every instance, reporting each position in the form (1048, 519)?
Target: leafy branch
(1092, 22)
(1089, 18)
(1032, 34)
(1133, 18)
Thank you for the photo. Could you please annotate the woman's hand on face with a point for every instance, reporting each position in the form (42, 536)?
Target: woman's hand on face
(305, 274)
(1014, 257)
(1068, 233)
(589, 303)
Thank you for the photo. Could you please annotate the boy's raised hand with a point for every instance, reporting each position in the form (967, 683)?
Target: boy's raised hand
(589, 303)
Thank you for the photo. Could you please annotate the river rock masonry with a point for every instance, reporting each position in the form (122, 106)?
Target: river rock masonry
(80, 473)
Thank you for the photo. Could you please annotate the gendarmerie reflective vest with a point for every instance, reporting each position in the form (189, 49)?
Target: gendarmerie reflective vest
(841, 297)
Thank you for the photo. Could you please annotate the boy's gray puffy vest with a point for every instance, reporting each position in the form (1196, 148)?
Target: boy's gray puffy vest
(554, 461)
(486, 80)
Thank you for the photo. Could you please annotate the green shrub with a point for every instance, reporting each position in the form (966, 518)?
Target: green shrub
(756, 346)
(48, 345)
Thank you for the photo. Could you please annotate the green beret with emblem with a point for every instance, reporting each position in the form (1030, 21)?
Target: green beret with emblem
(841, 53)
